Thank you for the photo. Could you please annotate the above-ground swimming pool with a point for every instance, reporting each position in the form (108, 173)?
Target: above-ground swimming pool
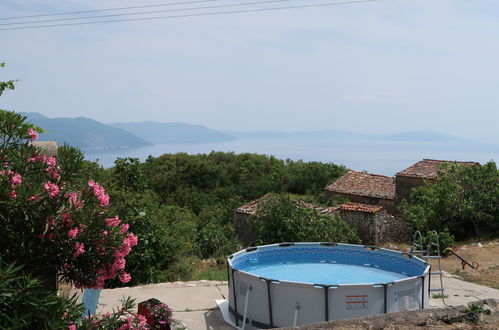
(292, 284)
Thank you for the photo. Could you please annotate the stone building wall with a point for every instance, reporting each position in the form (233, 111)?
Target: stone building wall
(378, 228)
(403, 187)
(390, 228)
(243, 228)
(363, 223)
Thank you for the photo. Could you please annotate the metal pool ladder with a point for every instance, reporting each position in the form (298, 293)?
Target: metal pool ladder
(417, 248)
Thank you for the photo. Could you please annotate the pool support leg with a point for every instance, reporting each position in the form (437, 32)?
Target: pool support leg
(234, 295)
(326, 299)
(269, 299)
(246, 301)
(429, 283)
(422, 292)
(295, 318)
(385, 289)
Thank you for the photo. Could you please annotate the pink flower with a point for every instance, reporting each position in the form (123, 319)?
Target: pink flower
(125, 277)
(51, 188)
(104, 200)
(66, 217)
(132, 239)
(32, 134)
(124, 228)
(72, 327)
(142, 321)
(119, 264)
(13, 194)
(80, 248)
(51, 161)
(113, 222)
(54, 173)
(34, 198)
(15, 180)
(99, 192)
(72, 233)
(73, 198)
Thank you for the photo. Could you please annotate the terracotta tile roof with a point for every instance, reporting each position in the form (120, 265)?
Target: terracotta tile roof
(251, 207)
(353, 207)
(364, 184)
(428, 168)
(364, 208)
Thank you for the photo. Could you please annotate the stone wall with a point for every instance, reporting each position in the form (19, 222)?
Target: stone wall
(243, 228)
(390, 228)
(363, 223)
(403, 187)
(378, 228)
(388, 204)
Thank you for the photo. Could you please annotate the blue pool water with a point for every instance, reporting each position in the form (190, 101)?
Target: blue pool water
(323, 273)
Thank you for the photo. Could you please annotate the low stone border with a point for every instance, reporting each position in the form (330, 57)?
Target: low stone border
(451, 318)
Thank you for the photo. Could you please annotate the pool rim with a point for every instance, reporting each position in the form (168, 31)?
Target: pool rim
(411, 256)
(231, 270)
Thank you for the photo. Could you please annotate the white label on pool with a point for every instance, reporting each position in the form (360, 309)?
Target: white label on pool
(357, 302)
(406, 300)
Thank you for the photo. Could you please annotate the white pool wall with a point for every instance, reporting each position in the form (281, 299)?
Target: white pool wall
(294, 303)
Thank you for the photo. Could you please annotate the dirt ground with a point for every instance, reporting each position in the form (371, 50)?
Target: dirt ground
(486, 254)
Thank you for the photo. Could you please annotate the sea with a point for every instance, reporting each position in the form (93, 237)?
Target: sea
(374, 156)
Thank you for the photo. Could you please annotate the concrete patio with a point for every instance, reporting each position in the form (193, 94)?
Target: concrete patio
(194, 302)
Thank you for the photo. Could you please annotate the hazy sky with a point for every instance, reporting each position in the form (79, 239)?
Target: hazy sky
(377, 67)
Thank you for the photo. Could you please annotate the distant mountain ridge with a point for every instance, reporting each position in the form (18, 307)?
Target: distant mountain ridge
(84, 133)
(412, 136)
(89, 134)
(159, 133)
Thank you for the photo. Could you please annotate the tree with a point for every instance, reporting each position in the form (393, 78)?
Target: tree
(279, 219)
(464, 200)
(5, 85)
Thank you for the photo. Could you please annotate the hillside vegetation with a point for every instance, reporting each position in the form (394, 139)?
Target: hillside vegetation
(181, 206)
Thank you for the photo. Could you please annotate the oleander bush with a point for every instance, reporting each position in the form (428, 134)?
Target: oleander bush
(49, 221)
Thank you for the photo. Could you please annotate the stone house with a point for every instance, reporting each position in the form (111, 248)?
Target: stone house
(364, 188)
(374, 198)
(418, 175)
(242, 219)
(374, 224)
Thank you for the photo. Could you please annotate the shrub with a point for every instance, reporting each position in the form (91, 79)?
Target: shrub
(445, 240)
(464, 200)
(49, 220)
(279, 219)
(25, 303)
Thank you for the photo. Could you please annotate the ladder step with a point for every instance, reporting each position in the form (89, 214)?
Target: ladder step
(436, 273)
(418, 251)
(437, 289)
(432, 257)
